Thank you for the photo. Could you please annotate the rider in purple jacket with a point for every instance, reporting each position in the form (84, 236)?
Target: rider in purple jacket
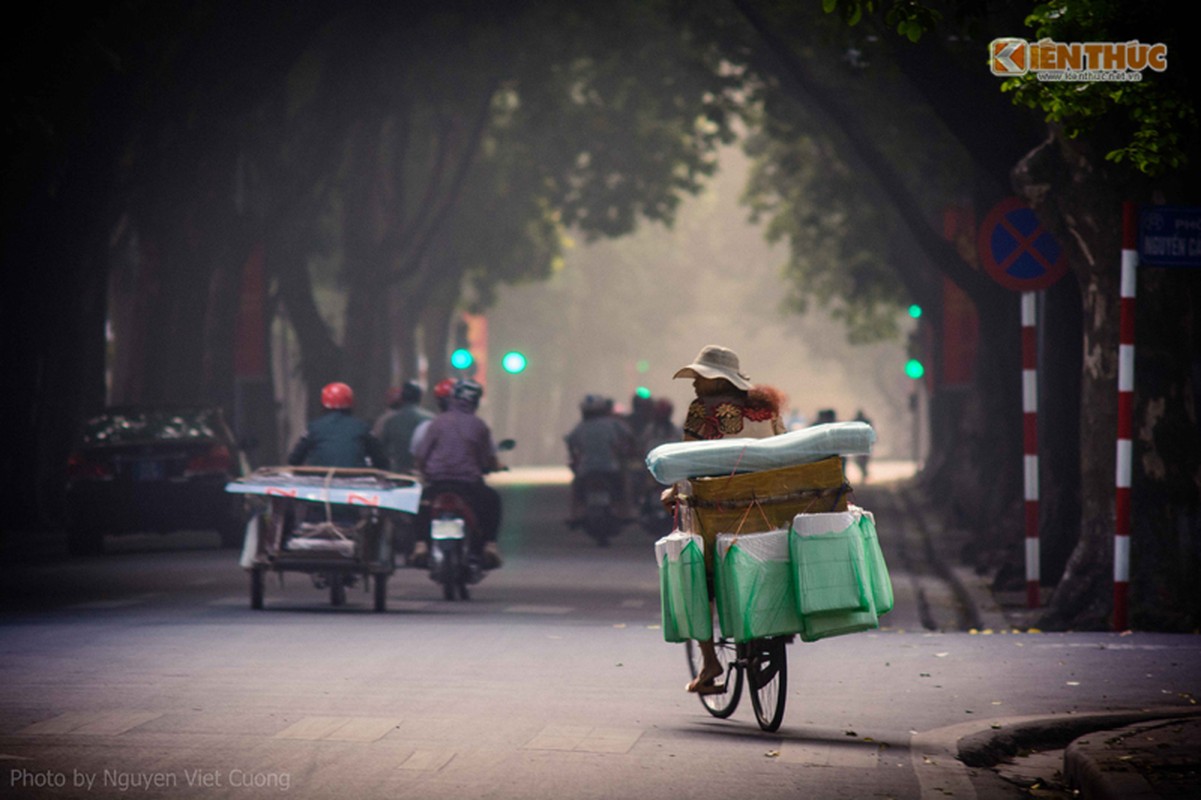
(455, 452)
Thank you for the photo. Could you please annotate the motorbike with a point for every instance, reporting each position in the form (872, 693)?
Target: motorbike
(599, 519)
(453, 526)
(653, 515)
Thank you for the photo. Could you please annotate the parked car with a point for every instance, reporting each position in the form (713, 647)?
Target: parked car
(153, 469)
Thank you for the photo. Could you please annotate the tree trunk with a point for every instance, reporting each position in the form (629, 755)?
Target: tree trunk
(321, 357)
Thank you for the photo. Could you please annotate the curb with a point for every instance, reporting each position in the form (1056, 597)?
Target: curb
(990, 747)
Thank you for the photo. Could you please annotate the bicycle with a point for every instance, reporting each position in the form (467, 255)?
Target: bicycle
(764, 665)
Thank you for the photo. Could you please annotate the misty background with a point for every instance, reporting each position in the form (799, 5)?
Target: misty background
(651, 301)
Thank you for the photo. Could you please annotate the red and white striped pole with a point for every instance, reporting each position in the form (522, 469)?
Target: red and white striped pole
(1030, 444)
(1121, 539)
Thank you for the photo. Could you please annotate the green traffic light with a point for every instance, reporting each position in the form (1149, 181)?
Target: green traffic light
(643, 366)
(915, 311)
(914, 369)
(642, 392)
(461, 358)
(513, 362)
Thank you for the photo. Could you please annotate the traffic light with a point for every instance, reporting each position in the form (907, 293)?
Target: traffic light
(915, 311)
(462, 358)
(915, 367)
(514, 362)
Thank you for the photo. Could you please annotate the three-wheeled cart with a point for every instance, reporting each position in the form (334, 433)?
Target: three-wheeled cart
(335, 524)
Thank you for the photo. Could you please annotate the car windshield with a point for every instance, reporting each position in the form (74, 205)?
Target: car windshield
(174, 425)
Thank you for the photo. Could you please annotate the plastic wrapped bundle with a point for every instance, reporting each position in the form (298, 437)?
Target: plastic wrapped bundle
(683, 588)
(831, 570)
(755, 586)
(679, 461)
(842, 581)
(881, 583)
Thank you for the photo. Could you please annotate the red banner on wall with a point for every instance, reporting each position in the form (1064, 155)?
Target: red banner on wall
(960, 322)
(250, 343)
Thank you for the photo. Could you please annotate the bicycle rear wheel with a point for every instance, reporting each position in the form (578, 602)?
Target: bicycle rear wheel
(719, 705)
(767, 674)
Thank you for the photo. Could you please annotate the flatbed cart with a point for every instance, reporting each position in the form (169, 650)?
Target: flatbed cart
(335, 524)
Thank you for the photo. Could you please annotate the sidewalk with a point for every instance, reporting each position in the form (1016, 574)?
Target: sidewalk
(1115, 756)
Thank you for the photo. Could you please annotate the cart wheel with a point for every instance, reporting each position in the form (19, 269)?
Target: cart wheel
(256, 588)
(337, 590)
(381, 592)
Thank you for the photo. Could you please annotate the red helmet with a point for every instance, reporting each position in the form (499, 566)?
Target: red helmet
(444, 389)
(337, 395)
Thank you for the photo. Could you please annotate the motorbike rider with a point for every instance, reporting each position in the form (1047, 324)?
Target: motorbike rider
(337, 438)
(454, 453)
(660, 430)
(395, 429)
(442, 392)
(598, 446)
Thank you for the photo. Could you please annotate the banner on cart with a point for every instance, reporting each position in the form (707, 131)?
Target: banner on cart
(402, 498)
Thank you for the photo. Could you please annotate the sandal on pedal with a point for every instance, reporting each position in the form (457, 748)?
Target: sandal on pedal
(707, 688)
(703, 685)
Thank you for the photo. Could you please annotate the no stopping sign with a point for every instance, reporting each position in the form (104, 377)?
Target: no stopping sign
(1016, 250)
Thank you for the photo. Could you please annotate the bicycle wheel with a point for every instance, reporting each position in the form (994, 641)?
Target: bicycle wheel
(719, 705)
(767, 674)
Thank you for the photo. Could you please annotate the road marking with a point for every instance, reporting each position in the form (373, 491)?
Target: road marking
(934, 756)
(93, 723)
(339, 729)
(856, 756)
(408, 605)
(584, 739)
(123, 602)
(366, 729)
(312, 728)
(539, 609)
(427, 760)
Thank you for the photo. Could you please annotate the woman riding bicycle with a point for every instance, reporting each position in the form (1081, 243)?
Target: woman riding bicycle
(727, 404)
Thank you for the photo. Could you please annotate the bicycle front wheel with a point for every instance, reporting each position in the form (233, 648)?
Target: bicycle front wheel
(767, 674)
(719, 705)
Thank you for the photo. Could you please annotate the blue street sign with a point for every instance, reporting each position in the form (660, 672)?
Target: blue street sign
(1170, 236)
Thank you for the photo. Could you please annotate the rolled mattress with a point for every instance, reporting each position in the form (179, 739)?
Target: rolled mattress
(679, 461)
